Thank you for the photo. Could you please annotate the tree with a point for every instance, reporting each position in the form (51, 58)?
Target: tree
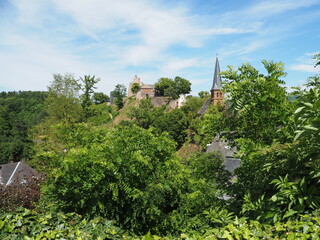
(259, 103)
(135, 88)
(118, 94)
(192, 106)
(183, 86)
(175, 123)
(162, 85)
(128, 175)
(204, 94)
(145, 115)
(99, 97)
(88, 86)
(172, 88)
(63, 103)
(19, 113)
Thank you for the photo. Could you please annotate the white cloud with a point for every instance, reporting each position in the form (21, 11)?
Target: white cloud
(304, 68)
(179, 64)
(113, 38)
(305, 63)
(155, 26)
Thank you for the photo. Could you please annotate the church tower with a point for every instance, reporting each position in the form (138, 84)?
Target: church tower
(217, 95)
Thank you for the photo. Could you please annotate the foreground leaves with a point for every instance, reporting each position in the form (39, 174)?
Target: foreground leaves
(27, 224)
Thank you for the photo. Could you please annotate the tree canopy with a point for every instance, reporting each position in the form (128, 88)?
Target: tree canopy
(138, 173)
(259, 103)
(118, 94)
(88, 86)
(172, 87)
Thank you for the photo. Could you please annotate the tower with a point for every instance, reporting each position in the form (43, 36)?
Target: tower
(135, 80)
(216, 94)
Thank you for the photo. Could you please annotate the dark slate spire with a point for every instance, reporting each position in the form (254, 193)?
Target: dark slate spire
(216, 78)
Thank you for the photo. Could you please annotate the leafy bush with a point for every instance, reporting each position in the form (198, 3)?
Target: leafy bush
(20, 194)
(30, 224)
(128, 175)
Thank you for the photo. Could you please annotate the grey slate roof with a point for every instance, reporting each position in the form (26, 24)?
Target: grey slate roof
(216, 77)
(230, 162)
(16, 171)
(204, 107)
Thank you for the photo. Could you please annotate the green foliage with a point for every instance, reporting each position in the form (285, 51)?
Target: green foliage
(204, 94)
(131, 173)
(305, 227)
(101, 114)
(219, 217)
(135, 88)
(30, 224)
(209, 166)
(172, 88)
(119, 94)
(99, 97)
(19, 112)
(307, 115)
(258, 103)
(206, 127)
(126, 176)
(145, 115)
(53, 142)
(63, 103)
(286, 175)
(88, 86)
(192, 106)
(175, 123)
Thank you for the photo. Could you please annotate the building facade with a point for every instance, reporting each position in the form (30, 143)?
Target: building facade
(144, 91)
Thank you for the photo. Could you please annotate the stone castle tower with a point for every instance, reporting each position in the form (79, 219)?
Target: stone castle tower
(135, 80)
(217, 95)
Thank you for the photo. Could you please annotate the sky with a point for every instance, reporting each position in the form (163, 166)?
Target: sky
(116, 40)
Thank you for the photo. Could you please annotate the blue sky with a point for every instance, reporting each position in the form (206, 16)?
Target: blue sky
(115, 40)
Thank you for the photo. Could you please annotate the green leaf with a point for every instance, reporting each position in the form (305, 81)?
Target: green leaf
(298, 135)
(309, 127)
(289, 213)
(299, 110)
(308, 104)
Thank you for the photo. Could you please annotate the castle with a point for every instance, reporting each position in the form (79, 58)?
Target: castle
(147, 90)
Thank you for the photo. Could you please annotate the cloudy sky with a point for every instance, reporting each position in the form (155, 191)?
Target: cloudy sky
(117, 39)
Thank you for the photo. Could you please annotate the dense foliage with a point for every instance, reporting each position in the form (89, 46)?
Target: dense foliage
(172, 87)
(30, 224)
(19, 113)
(118, 95)
(131, 173)
(174, 122)
(133, 177)
(26, 224)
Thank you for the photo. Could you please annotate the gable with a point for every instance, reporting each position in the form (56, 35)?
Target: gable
(17, 171)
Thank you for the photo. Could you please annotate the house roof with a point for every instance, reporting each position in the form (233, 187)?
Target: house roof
(148, 86)
(205, 107)
(216, 77)
(16, 171)
(230, 162)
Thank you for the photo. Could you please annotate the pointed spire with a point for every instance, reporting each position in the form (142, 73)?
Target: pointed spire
(216, 77)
